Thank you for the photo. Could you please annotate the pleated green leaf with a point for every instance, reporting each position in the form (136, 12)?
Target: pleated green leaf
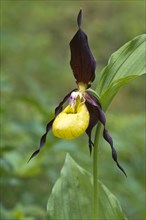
(124, 65)
(72, 196)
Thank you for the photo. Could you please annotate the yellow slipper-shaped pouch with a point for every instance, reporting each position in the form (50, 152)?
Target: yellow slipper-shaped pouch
(71, 122)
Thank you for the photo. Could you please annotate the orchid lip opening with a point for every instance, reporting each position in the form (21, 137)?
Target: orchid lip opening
(74, 97)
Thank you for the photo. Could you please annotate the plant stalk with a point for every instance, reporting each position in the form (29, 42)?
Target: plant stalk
(95, 172)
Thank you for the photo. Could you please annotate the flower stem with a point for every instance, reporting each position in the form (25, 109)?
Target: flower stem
(95, 172)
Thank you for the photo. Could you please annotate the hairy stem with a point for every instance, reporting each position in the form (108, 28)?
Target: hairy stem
(95, 172)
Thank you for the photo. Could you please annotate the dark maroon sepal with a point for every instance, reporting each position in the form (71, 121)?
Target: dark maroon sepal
(93, 112)
(79, 18)
(58, 109)
(82, 61)
(91, 103)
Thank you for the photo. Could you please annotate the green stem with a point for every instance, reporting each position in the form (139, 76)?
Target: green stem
(95, 172)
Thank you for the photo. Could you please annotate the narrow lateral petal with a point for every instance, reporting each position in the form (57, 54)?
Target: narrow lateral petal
(102, 118)
(108, 138)
(49, 125)
(82, 61)
(43, 139)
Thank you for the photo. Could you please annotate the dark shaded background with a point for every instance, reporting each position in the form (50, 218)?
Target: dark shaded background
(35, 76)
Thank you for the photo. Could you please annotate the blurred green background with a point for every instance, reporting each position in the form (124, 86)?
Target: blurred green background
(36, 75)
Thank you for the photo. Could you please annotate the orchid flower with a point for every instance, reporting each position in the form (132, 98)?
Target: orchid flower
(84, 110)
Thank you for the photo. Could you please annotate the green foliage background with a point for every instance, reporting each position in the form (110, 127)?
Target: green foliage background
(36, 75)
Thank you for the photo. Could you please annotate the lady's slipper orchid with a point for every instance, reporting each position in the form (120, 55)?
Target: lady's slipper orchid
(84, 110)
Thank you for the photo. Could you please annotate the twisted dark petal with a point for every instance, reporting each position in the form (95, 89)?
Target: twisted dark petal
(102, 118)
(114, 153)
(43, 139)
(82, 61)
(49, 125)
